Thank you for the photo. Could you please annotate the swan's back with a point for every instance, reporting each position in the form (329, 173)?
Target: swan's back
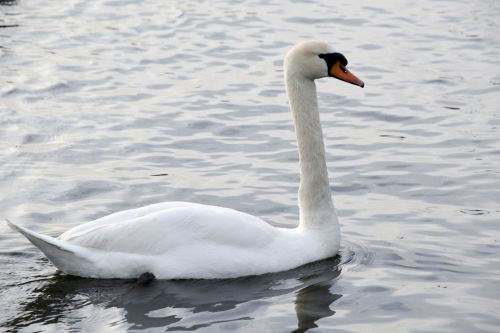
(167, 227)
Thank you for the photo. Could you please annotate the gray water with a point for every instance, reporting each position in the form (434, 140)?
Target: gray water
(115, 104)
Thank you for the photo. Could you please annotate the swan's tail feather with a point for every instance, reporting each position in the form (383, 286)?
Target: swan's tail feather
(67, 257)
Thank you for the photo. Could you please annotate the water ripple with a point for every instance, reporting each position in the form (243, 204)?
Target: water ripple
(118, 104)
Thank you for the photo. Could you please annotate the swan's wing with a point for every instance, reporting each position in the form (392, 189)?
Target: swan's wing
(123, 216)
(168, 227)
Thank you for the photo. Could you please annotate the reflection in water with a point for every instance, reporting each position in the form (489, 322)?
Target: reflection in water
(313, 303)
(180, 304)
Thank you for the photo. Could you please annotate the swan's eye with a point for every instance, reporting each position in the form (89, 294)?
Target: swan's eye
(342, 67)
(334, 58)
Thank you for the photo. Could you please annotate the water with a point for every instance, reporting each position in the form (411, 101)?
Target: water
(110, 105)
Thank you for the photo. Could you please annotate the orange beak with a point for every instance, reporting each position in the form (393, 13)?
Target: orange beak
(340, 72)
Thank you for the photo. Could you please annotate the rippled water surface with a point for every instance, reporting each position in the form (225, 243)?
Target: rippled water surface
(114, 104)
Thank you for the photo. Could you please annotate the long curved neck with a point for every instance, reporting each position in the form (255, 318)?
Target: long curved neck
(315, 199)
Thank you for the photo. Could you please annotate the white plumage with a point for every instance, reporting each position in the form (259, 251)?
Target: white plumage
(189, 240)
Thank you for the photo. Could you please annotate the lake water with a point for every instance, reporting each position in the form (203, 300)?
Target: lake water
(114, 104)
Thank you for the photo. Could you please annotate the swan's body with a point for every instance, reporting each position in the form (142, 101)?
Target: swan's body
(183, 240)
(188, 240)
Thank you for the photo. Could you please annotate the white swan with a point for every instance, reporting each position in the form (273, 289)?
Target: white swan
(188, 240)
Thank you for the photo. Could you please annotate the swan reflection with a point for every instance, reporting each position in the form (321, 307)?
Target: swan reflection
(183, 304)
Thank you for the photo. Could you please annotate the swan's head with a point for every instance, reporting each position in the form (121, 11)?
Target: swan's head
(314, 60)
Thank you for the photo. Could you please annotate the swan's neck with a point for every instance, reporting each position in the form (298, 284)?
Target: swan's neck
(315, 199)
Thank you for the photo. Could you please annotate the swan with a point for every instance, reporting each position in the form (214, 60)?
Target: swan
(174, 240)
